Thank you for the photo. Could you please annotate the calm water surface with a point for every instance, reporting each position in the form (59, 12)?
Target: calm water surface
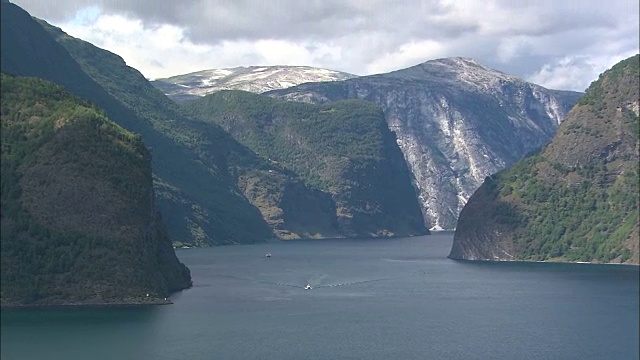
(371, 299)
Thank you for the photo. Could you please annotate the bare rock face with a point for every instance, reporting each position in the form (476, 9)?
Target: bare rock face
(256, 79)
(456, 122)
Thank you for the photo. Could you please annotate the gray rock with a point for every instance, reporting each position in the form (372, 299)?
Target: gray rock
(456, 122)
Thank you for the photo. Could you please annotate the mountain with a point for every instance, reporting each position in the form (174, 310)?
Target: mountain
(456, 121)
(344, 149)
(78, 220)
(575, 200)
(256, 79)
(193, 163)
(209, 188)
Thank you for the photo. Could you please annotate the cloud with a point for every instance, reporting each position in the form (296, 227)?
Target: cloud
(407, 55)
(569, 71)
(556, 44)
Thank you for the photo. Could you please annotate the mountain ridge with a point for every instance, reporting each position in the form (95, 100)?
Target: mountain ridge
(256, 79)
(456, 120)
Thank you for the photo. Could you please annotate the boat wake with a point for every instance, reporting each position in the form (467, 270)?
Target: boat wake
(316, 284)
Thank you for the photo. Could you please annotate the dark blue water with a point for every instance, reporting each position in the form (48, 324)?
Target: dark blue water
(372, 299)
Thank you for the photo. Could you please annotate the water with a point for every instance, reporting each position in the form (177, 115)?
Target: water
(371, 299)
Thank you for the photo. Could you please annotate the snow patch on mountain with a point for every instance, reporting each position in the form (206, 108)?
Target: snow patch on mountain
(256, 79)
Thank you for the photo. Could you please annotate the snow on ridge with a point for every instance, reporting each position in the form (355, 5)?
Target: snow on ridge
(462, 69)
(213, 74)
(256, 79)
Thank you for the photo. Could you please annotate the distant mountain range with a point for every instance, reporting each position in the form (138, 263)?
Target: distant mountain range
(256, 79)
(456, 121)
(574, 200)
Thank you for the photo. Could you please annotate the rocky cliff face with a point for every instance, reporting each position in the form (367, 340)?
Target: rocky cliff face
(456, 122)
(256, 79)
(575, 200)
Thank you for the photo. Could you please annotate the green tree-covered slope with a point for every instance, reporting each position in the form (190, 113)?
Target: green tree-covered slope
(344, 149)
(575, 200)
(193, 162)
(78, 223)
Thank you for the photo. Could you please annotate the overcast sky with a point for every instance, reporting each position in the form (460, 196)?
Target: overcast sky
(558, 44)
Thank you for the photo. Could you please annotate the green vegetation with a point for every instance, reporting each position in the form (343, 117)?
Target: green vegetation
(577, 199)
(77, 225)
(193, 162)
(343, 149)
(581, 221)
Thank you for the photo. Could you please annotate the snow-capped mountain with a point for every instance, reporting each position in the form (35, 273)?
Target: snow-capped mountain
(256, 79)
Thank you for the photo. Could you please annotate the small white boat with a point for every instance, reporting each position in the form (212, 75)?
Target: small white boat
(308, 287)
(267, 255)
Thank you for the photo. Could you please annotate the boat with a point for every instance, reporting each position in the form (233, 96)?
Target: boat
(267, 255)
(308, 287)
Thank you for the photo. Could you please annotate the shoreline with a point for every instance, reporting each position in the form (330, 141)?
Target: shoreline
(276, 241)
(78, 305)
(544, 262)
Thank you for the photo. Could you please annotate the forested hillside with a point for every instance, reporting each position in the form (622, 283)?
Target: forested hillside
(343, 149)
(79, 224)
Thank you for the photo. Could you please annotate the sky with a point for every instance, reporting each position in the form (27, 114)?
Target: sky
(556, 44)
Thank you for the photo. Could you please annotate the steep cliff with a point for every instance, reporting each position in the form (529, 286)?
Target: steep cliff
(456, 122)
(344, 149)
(575, 200)
(79, 225)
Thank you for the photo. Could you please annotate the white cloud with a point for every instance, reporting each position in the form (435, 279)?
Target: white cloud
(511, 47)
(156, 52)
(407, 55)
(562, 44)
(570, 71)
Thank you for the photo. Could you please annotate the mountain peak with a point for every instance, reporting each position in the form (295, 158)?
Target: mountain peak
(457, 60)
(454, 69)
